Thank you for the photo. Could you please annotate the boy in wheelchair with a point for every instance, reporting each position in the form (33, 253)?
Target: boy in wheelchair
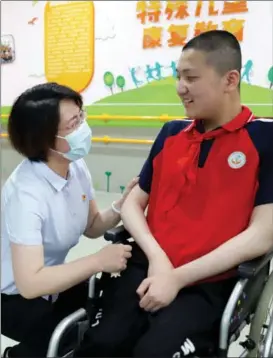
(209, 187)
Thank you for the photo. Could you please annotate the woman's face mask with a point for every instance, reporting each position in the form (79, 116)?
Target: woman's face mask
(79, 142)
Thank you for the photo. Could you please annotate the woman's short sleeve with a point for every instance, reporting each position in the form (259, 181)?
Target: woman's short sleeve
(22, 218)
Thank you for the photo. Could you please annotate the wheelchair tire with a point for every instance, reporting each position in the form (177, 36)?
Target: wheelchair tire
(260, 316)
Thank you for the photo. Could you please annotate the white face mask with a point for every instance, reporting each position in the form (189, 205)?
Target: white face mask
(79, 142)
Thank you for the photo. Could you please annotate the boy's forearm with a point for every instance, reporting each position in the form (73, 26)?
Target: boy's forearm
(134, 221)
(248, 245)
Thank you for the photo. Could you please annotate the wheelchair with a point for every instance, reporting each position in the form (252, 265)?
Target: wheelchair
(251, 303)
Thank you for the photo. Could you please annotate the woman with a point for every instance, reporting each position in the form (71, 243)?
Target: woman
(47, 204)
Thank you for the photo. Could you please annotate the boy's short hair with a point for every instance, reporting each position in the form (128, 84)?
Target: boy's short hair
(222, 49)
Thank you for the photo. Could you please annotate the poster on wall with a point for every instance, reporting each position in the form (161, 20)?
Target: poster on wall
(69, 43)
(7, 49)
(122, 56)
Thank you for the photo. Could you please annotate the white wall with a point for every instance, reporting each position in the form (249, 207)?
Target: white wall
(118, 43)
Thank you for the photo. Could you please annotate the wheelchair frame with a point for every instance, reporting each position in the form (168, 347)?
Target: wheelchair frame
(252, 272)
(268, 347)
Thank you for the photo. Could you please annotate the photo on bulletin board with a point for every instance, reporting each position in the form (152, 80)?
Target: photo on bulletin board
(7, 49)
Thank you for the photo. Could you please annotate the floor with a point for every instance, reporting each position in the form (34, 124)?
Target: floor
(86, 247)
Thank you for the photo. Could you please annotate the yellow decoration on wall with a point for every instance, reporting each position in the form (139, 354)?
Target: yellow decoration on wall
(69, 43)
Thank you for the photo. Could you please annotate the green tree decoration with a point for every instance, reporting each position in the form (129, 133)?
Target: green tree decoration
(120, 82)
(109, 80)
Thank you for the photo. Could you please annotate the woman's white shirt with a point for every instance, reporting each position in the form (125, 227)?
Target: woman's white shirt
(39, 207)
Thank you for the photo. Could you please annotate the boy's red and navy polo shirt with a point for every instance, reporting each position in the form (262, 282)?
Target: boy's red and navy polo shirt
(203, 186)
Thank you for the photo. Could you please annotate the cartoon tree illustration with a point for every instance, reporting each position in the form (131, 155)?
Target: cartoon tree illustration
(109, 80)
(270, 77)
(120, 82)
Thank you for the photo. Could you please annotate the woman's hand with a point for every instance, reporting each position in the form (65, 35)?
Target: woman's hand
(129, 187)
(113, 258)
(126, 192)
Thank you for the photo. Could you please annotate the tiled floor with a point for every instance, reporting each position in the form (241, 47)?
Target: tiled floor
(87, 246)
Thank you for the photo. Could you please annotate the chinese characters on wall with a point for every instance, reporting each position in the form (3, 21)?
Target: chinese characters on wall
(151, 13)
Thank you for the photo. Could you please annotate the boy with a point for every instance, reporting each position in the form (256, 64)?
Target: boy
(209, 186)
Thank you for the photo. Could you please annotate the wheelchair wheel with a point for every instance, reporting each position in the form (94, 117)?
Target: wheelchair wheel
(261, 319)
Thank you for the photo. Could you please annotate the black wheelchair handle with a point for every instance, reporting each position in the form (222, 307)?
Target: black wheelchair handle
(117, 234)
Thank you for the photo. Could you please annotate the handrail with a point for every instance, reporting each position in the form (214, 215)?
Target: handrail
(107, 140)
(108, 117)
(116, 117)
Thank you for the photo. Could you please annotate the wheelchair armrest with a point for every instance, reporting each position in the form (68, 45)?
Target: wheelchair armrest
(251, 268)
(117, 234)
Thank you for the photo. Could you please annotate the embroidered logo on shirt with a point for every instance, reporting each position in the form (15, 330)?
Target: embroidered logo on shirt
(83, 197)
(236, 160)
